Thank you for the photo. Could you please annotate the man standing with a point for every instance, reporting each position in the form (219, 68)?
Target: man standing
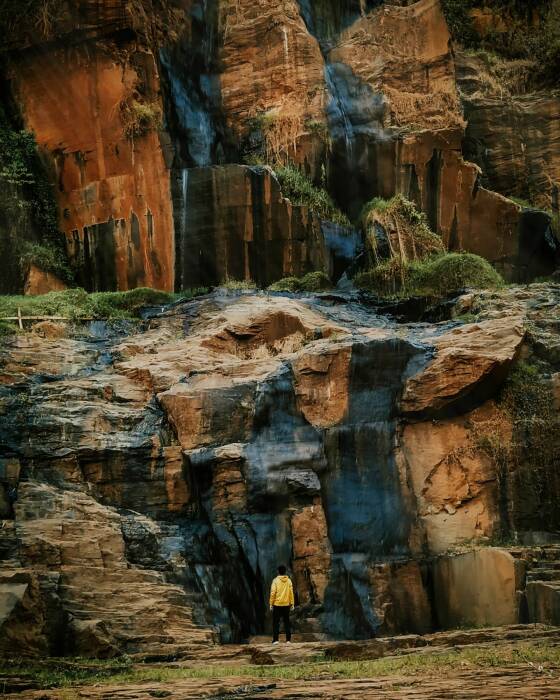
(281, 602)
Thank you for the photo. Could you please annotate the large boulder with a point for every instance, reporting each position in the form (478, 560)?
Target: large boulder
(476, 589)
(469, 365)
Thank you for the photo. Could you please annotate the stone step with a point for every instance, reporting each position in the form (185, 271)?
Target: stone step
(551, 552)
(548, 564)
(309, 624)
(543, 602)
(113, 617)
(543, 575)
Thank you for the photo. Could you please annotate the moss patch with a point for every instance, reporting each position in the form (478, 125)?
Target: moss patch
(434, 277)
(452, 271)
(311, 282)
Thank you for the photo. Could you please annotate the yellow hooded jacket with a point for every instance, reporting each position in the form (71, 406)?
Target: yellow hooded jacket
(282, 592)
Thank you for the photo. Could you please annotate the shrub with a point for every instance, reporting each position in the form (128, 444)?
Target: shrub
(396, 233)
(297, 187)
(279, 130)
(436, 276)
(21, 166)
(459, 21)
(311, 282)
(315, 281)
(27, 200)
(377, 204)
(286, 284)
(524, 38)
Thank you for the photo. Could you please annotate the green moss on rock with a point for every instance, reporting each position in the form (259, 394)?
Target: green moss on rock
(311, 282)
(436, 276)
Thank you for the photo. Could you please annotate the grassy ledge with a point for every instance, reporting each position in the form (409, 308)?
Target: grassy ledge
(76, 304)
(408, 259)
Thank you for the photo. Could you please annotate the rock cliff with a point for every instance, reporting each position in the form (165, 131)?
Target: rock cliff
(181, 459)
(400, 455)
(369, 98)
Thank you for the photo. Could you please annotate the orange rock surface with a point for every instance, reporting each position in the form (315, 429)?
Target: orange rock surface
(113, 191)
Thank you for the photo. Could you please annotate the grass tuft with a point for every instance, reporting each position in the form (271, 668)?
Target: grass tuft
(396, 229)
(139, 118)
(240, 285)
(298, 188)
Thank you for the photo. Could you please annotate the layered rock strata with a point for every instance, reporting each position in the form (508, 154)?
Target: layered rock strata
(176, 463)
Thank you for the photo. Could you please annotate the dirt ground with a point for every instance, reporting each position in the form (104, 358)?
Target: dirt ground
(518, 662)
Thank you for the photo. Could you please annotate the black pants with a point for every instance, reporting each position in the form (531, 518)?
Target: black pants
(281, 612)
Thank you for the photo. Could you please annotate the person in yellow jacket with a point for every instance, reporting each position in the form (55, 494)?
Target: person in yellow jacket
(281, 602)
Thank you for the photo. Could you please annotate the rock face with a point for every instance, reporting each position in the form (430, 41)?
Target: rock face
(367, 98)
(113, 185)
(153, 476)
(475, 588)
(39, 282)
(479, 355)
(512, 133)
(453, 479)
(234, 223)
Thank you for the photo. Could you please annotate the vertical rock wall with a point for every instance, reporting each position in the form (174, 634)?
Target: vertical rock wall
(232, 222)
(113, 189)
(363, 96)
